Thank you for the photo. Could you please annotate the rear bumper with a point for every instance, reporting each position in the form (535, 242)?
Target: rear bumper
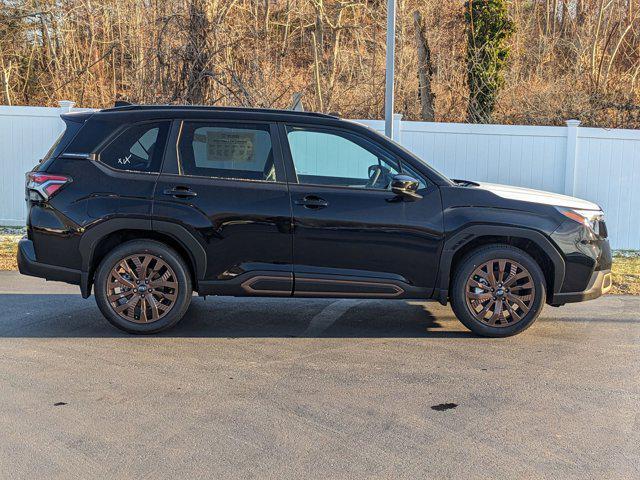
(28, 265)
(599, 284)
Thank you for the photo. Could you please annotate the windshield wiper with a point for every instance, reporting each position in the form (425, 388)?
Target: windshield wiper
(464, 183)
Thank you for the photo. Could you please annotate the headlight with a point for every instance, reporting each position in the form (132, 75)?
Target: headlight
(593, 219)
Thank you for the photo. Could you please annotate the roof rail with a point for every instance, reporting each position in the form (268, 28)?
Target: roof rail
(122, 105)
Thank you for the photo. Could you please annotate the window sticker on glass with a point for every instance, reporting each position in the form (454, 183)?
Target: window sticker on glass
(226, 147)
(239, 152)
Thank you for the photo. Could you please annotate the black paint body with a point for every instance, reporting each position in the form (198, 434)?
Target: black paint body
(244, 237)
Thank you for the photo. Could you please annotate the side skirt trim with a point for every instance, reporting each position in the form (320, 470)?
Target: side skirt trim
(266, 283)
(326, 287)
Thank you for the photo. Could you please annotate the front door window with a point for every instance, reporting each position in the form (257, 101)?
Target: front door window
(322, 157)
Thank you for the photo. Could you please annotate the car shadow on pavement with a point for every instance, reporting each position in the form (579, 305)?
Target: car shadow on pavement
(61, 316)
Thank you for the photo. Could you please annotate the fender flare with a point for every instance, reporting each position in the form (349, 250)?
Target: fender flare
(180, 234)
(185, 238)
(466, 235)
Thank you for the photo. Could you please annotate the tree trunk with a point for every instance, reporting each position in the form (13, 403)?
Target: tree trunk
(197, 53)
(425, 70)
(316, 68)
(4, 83)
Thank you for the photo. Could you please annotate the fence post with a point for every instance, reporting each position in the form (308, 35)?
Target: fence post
(66, 105)
(572, 157)
(397, 127)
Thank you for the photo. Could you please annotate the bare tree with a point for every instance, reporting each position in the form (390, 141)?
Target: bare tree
(196, 57)
(568, 58)
(425, 70)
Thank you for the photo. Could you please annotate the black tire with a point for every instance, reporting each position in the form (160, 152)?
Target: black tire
(463, 306)
(180, 274)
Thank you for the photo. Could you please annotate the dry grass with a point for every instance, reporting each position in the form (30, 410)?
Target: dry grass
(8, 247)
(626, 266)
(626, 274)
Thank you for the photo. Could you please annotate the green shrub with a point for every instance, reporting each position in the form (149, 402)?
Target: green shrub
(489, 29)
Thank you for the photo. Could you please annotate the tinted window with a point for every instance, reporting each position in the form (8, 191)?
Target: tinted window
(327, 158)
(139, 148)
(225, 151)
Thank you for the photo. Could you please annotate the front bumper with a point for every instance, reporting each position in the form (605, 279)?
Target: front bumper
(28, 265)
(599, 284)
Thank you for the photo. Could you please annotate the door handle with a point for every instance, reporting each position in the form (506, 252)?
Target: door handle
(313, 202)
(180, 191)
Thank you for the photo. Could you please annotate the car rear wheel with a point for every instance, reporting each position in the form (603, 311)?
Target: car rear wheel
(498, 291)
(143, 287)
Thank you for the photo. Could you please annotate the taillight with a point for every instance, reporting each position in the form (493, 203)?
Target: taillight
(44, 184)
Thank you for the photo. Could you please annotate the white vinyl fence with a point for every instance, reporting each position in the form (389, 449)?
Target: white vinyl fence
(596, 164)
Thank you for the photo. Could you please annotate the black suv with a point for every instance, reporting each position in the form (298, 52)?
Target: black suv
(147, 204)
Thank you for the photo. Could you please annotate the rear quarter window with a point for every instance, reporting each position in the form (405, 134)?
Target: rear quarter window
(139, 148)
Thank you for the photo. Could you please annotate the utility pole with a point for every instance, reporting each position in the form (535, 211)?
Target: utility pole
(391, 51)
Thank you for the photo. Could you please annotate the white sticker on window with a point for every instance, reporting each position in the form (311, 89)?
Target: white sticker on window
(237, 147)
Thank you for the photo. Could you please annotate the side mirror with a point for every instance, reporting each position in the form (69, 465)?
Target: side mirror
(405, 186)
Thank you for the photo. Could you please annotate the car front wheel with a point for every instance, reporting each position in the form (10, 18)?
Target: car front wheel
(498, 291)
(143, 287)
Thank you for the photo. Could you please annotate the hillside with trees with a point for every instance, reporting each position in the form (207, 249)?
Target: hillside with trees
(502, 61)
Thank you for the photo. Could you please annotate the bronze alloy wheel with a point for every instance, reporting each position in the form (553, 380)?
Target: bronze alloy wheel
(142, 288)
(500, 292)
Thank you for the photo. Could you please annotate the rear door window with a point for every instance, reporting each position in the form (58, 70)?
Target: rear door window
(225, 150)
(139, 148)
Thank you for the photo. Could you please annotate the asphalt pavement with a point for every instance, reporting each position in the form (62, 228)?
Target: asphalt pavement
(273, 388)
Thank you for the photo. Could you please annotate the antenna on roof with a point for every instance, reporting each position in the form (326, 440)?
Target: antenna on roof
(121, 103)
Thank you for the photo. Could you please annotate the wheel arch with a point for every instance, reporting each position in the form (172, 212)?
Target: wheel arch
(98, 241)
(532, 242)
